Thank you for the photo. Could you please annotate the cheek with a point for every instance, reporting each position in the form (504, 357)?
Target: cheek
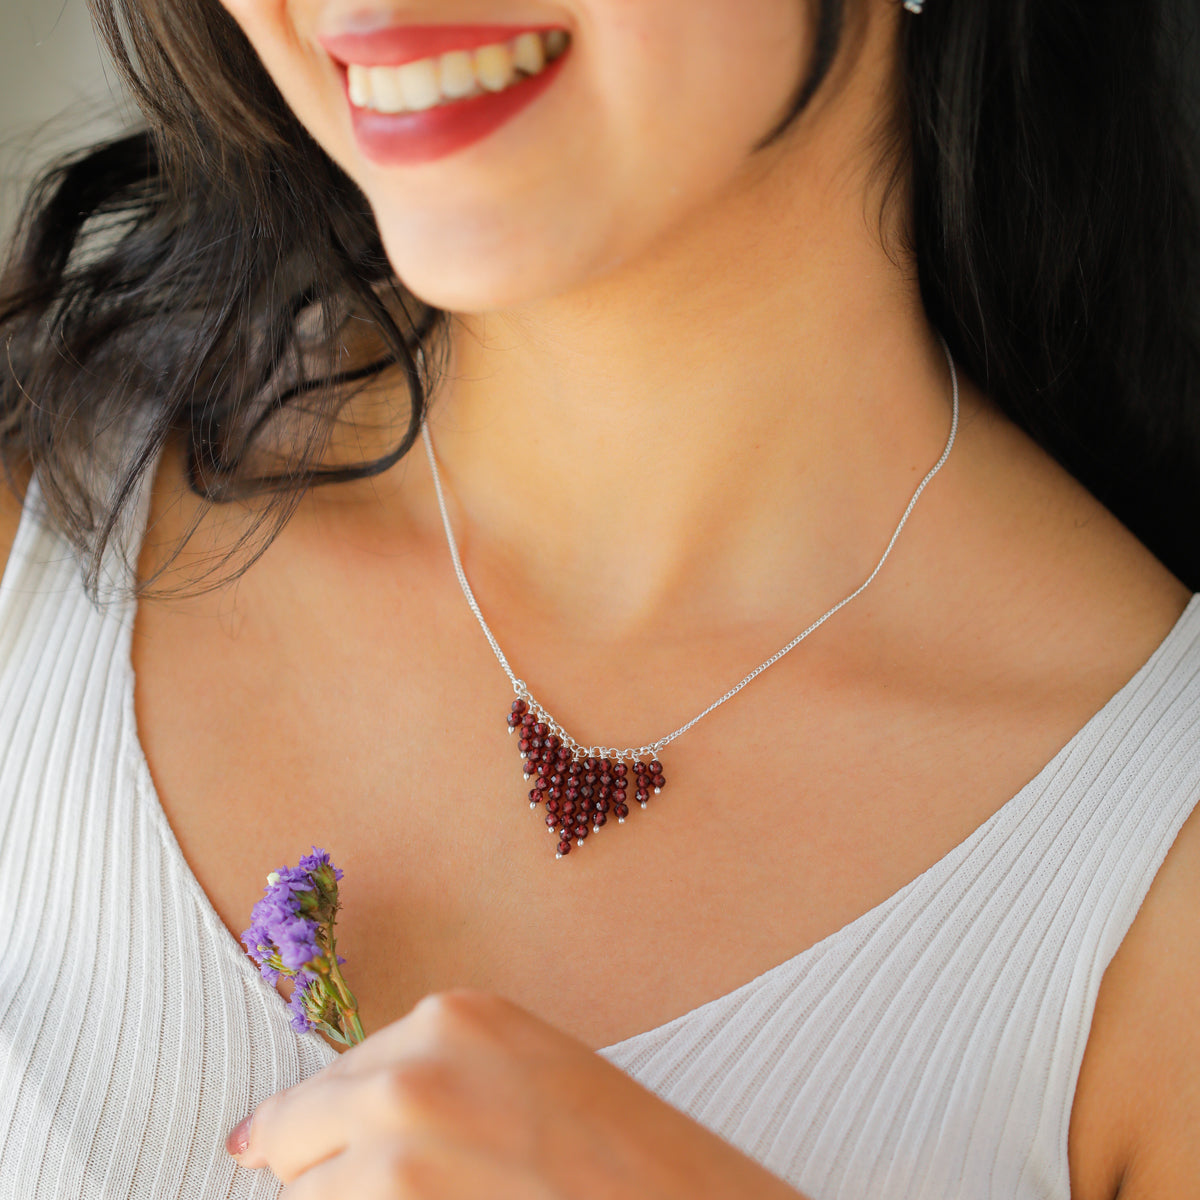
(262, 21)
(731, 66)
(300, 70)
(658, 113)
(677, 96)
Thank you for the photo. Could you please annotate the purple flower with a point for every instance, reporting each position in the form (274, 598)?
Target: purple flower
(291, 934)
(275, 920)
(318, 860)
(286, 922)
(301, 1022)
(299, 944)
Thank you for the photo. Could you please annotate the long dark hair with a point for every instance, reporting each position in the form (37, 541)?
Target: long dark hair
(201, 278)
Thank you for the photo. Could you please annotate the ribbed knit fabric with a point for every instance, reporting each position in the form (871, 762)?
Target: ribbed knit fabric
(929, 1049)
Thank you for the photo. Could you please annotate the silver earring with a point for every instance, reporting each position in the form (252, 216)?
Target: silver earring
(914, 6)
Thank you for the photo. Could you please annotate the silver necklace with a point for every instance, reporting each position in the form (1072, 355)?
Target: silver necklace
(581, 785)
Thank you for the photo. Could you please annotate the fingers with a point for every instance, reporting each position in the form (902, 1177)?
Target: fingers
(364, 1173)
(460, 1066)
(416, 1168)
(317, 1120)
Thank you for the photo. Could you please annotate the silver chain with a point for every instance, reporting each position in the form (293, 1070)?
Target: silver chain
(633, 754)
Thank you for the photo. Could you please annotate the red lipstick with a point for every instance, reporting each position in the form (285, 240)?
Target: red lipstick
(412, 138)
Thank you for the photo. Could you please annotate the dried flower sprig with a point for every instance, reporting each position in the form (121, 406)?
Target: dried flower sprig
(291, 935)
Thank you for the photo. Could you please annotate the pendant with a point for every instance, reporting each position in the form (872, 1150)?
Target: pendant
(578, 786)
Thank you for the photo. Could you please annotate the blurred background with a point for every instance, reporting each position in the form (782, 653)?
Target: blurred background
(55, 92)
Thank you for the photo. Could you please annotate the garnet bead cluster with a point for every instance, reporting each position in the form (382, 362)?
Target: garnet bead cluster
(578, 788)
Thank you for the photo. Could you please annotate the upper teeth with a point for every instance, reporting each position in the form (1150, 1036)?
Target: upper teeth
(461, 73)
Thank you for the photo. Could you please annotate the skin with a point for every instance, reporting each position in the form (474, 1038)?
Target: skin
(724, 493)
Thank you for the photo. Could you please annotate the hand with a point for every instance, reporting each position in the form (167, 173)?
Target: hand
(471, 1098)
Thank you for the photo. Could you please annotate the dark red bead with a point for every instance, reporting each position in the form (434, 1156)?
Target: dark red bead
(543, 769)
(619, 795)
(556, 780)
(555, 793)
(659, 782)
(591, 779)
(656, 768)
(571, 793)
(564, 847)
(525, 745)
(575, 769)
(542, 785)
(604, 792)
(581, 831)
(553, 742)
(528, 720)
(562, 754)
(642, 795)
(520, 707)
(513, 720)
(568, 808)
(535, 796)
(585, 792)
(622, 810)
(591, 763)
(599, 819)
(605, 779)
(620, 770)
(603, 806)
(541, 729)
(551, 820)
(529, 767)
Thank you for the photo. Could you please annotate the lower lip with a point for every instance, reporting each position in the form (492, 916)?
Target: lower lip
(408, 139)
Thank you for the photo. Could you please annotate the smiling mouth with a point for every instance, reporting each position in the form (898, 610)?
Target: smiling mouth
(457, 75)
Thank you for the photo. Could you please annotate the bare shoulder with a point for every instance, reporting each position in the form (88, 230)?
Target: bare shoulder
(1047, 598)
(10, 515)
(1081, 601)
(1135, 1129)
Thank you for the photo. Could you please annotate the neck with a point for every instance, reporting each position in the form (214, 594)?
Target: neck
(742, 417)
(713, 430)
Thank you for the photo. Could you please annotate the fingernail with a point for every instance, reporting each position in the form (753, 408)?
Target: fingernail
(239, 1138)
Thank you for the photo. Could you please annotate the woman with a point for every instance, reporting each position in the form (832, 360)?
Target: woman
(915, 913)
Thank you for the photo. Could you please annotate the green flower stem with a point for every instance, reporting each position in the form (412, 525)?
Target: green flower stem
(349, 1005)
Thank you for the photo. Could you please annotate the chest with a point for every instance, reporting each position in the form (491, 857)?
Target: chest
(376, 729)
(787, 1095)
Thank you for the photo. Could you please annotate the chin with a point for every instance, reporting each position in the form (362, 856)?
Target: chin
(446, 273)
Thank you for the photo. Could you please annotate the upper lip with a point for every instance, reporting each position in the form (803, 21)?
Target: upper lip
(395, 45)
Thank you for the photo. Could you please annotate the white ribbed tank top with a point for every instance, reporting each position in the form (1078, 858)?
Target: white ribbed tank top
(929, 1048)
